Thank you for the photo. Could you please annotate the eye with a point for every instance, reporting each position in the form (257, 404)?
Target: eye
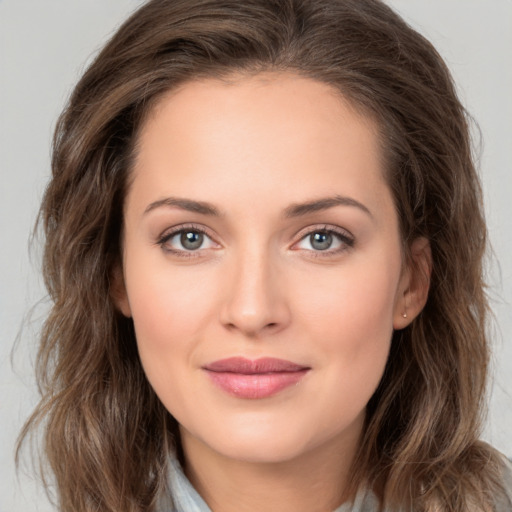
(327, 239)
(186, 240)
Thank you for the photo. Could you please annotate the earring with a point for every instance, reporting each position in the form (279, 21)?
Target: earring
(404, 314)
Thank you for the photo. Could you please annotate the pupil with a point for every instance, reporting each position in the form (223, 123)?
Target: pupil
(191, 240)
(321, 241)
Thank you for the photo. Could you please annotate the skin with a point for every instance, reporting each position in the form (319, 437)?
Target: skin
(253, 149)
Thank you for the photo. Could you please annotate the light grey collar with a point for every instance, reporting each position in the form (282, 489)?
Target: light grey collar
(186, 499)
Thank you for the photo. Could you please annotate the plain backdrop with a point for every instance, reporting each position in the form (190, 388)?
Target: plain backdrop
(44, 46)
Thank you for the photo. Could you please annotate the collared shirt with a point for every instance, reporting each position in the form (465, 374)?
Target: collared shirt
(187, 499)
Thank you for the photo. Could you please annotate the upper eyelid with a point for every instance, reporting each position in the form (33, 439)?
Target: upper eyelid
(324, 227)
(174, 230)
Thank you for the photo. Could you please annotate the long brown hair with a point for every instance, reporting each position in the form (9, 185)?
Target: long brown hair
(106, 435)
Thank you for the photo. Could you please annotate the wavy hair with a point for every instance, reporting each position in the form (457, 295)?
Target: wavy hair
(106, 434)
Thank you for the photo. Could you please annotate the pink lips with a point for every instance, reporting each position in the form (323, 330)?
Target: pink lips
(259, 378)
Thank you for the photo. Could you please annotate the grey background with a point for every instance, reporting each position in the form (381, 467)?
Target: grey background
(44, 46)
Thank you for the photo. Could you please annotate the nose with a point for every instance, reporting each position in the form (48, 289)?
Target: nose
(255, 298)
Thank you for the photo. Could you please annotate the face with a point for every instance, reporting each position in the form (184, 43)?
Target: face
(262, 265)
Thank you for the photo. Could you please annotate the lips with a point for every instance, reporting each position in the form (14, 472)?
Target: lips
(254, 379)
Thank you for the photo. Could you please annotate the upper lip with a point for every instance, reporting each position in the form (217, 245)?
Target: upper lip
(256, 366)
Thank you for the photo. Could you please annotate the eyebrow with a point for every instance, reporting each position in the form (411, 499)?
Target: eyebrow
(292, 211)
(185, 204)
(299, 209)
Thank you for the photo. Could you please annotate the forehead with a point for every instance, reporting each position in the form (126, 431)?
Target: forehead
(258, 132)
(272, 98)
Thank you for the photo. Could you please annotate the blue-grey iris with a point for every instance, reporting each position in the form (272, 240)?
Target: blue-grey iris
(191, 240)
(321, 241)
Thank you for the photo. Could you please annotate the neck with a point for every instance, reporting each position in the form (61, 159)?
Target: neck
(314, 481)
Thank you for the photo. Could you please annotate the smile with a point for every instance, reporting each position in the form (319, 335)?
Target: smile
(260, 378)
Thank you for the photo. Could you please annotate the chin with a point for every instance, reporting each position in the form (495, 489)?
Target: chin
(258, 449)
(265, 440)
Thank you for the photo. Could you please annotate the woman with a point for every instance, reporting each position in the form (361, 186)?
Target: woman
(264, 241)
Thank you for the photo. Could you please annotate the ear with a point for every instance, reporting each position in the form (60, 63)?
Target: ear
(118, 291)
(414, 284)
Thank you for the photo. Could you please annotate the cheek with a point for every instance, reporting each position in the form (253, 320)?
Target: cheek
(350, 320)
(170, 308)
(350, 312)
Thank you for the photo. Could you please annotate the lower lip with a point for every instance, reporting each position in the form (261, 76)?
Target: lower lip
(257, 385)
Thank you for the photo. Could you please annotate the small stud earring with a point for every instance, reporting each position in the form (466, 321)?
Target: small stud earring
(404, 314)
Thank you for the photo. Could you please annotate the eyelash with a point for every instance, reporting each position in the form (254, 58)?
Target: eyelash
(344, 237)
